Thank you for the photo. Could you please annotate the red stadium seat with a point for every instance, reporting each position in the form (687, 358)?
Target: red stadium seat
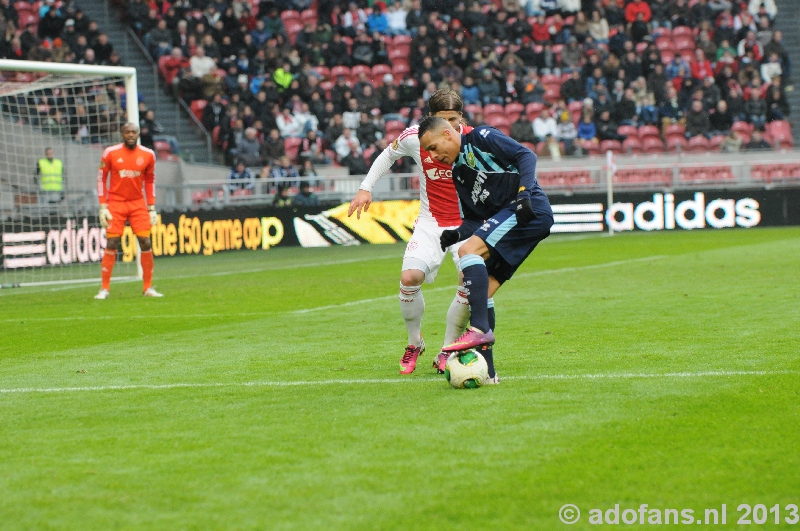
(682, 31)
(290, 15)
(27, 18)
(473, 109)
(780, 172)
(400, 70)
(401, 39)
(675, 129)
(292, 29)
(395, 126)
(687, 55)
(615, 146)
(628, 130)
(514, 110)
(324, 71)
(641, 47)
(781, 133)
(575, 106)
(309, 16)
(631, 145)
(378, 71)
(683, 43)
(552, 94)
(652, 144)
(337, 71)
(493, 109)
(397, 53)
(676, 143)
(698, 144)
(661, 176)
(197, 107)
(667, 56)
(715, 142)
(292, 147)
(551, 79)
(706, 174)
(534, 109)
(743, 128)
(499, 121)
(664, 42)
(649, 130)
(356, 71)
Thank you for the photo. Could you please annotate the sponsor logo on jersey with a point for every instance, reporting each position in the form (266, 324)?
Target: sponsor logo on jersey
(484, 133)
(471, 159)
(139, 161)
(478, 194)
(438, 173)
(129, 173)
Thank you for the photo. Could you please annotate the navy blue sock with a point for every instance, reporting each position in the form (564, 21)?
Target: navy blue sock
(476, 282)
(487, 351)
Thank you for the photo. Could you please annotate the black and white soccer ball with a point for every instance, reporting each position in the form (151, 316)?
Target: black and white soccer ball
(466, 369)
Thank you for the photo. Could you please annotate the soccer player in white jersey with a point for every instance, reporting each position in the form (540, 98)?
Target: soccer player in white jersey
(439, 210)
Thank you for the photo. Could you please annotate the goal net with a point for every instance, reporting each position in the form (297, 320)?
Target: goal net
(50, 230)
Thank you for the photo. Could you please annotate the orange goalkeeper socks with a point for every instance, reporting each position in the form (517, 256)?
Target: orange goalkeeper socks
(107, 265)
(147, 269)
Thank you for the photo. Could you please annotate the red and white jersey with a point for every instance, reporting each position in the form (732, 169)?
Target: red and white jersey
(437, 194)
(130, 170)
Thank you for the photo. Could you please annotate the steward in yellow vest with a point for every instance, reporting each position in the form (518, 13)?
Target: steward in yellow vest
(50, 171)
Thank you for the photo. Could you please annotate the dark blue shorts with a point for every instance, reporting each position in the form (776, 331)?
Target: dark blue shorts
(509, 244)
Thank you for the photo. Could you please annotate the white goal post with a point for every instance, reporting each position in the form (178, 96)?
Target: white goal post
(51, 235)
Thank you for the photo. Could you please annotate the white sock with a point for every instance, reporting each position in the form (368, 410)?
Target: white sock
(457, 317)
(412, 306)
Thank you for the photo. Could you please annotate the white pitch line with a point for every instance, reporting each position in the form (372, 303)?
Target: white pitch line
(330, 306)
(371, 381)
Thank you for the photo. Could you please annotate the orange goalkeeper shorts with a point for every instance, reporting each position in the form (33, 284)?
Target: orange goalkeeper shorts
(134, 212)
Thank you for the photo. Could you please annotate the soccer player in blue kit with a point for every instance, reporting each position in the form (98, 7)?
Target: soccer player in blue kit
(505, 214)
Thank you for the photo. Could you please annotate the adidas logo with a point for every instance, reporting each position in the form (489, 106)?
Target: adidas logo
(120, 160)
(428, 160)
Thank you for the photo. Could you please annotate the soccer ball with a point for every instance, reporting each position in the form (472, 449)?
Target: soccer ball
(466, 370)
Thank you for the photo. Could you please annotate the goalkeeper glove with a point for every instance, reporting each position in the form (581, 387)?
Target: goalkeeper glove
(104, 216)
(153, 215)
(448, 238)
(524, 211)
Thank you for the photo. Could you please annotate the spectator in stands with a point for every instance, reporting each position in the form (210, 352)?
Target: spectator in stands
(470, 94)
(776, 46)
(567, 133)
(711, 93)
(625, 112)
(757, 142)
(353, 160)
(607, 127)
(721, 120)
(282, 198)
(158, 40)
(732, 143)
(660, 17)
(544, 125)
(521, 130)
(285, 170)
(648, 112)
(680, 14)
(305, 197)
(636, 8)
(697, 122)
(368, 99)
(771, 68)
(396, 19)
(777, 105)
(346, 142)
(288, 125)
(240, 178)
(273, 147)
(573, 89)
(701, 67)
(756, 109)
(313, 149)
(768, 7)
(248, 150)
(587, 133)
(671, 112)
(598, 28)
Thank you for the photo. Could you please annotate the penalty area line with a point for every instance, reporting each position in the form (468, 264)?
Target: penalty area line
(372, 381)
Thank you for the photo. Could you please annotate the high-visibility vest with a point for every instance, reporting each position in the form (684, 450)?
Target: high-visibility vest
(52, 178)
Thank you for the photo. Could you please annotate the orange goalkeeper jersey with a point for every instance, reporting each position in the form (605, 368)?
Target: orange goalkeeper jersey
(129, 171)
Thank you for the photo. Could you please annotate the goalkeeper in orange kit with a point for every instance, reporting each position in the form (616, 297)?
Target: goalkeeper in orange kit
(127, 192)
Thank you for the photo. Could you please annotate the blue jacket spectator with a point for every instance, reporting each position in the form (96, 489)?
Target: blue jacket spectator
(377, 21)
(240, 178)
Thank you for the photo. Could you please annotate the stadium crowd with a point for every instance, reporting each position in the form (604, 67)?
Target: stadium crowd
(336, 81)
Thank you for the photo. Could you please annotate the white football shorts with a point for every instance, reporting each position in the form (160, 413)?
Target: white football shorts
(424, 252)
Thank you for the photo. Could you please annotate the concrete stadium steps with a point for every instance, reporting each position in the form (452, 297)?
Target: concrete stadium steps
(788, 16)
(168, 113)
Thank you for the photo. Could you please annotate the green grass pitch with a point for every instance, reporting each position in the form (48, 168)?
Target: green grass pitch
(263, 392)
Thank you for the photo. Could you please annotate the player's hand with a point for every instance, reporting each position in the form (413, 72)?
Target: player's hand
(524, 211)
(449, 237)
(105, 216)
(362, 200)
(153, 215)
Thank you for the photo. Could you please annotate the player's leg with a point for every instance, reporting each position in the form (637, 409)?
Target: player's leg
(488, 352)
(140, 224)
(114, 231)
(457, 315)
(412, 306)
(476, 282)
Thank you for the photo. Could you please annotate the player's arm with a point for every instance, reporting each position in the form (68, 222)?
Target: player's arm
(104, 216)
(149, 182)
(470, 221)
(401, 147)
(509, 151)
